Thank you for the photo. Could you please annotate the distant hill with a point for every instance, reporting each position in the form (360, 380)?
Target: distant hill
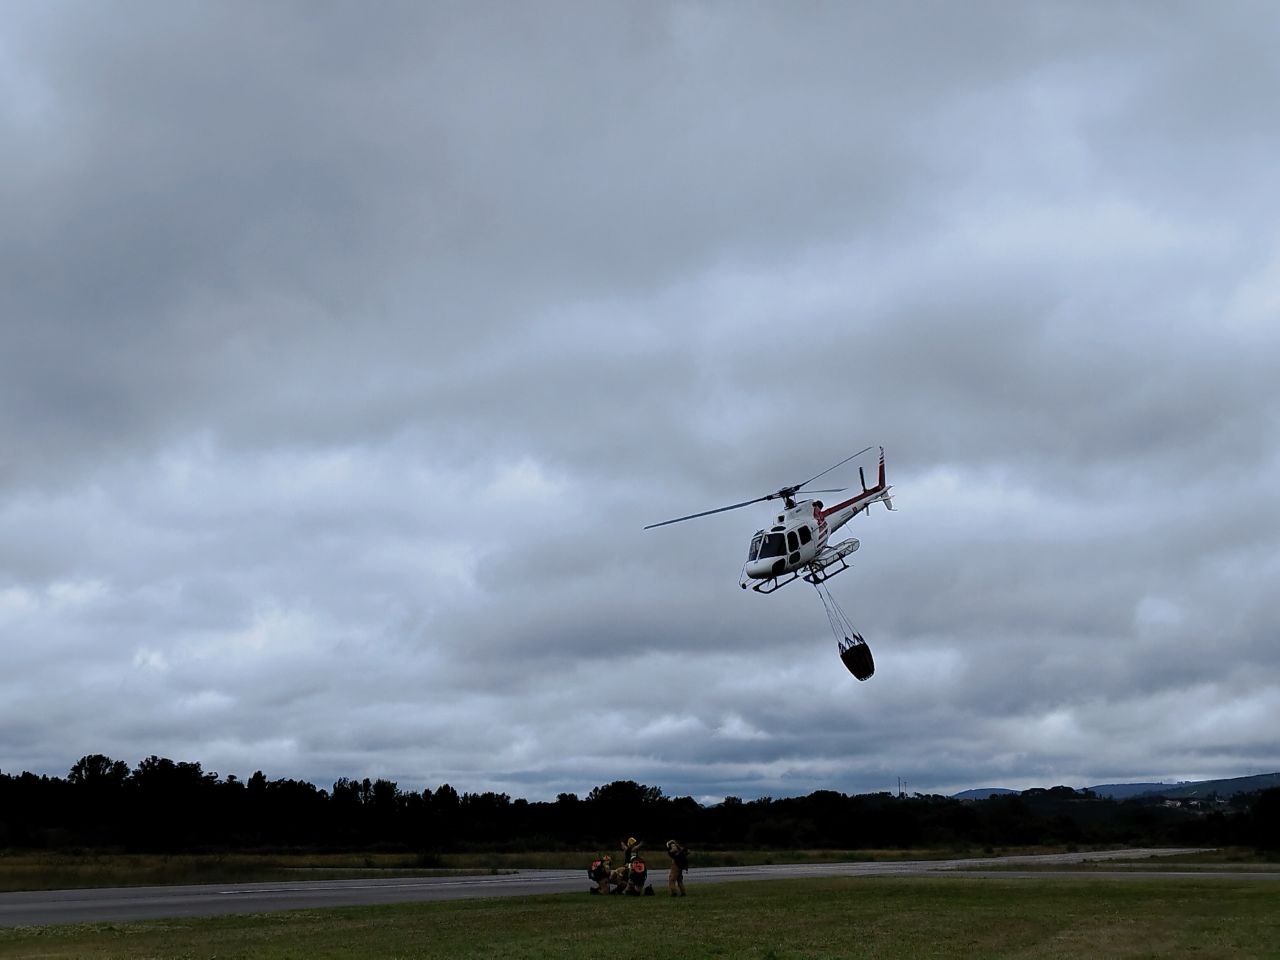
(1186, 790)
(1223, 788)
(983, 793)
(1123, 791)
(1189, 789)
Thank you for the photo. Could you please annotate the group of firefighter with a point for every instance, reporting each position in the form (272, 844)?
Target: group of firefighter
(632, 876)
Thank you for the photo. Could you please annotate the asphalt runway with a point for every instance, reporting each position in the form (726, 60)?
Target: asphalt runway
(35, 908)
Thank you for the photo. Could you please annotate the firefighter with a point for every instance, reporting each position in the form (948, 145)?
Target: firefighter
(630, 849)
(679, 864)
(637, 876)
(599, 872)
(619, 879)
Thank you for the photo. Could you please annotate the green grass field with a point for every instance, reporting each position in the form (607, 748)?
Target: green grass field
(68, 870)
(1225, 859)
(846, 917)
(64, 871)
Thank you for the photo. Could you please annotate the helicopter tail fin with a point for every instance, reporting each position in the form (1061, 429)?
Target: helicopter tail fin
(885, 498)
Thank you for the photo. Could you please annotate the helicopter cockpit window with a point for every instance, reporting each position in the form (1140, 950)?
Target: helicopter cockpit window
(755, 545)
(805, 535)
(774, 546)
(792, 542)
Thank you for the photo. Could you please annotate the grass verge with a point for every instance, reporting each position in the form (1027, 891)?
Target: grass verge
(776, 920)
(64, 871)
(1225, 859)
(70, 870)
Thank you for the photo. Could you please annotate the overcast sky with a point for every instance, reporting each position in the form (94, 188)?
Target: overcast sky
(345, 350)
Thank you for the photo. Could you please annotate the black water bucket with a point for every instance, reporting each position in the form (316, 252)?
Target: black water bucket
(856, 655)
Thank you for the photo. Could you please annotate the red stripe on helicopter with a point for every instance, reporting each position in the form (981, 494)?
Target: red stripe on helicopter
(878, 488)
(852, 500)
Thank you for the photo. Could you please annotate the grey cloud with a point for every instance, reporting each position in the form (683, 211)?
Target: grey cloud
(343, 355)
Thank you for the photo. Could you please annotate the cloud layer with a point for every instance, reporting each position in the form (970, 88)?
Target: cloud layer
(344, 354)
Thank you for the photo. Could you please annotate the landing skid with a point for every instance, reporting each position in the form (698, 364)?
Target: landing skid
(821, 570)
(772, 584)
(817, 574)
(824, 566)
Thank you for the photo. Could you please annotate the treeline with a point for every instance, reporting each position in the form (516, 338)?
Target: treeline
(162, 805)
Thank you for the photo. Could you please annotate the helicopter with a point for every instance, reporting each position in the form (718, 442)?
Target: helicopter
(797, 545)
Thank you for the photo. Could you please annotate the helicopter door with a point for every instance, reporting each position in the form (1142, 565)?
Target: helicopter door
(793, 545)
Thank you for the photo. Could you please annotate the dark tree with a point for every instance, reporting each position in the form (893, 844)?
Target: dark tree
(1264, 821)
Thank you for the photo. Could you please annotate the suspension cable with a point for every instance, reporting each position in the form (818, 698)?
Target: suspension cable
(840, 623)
(826, 607)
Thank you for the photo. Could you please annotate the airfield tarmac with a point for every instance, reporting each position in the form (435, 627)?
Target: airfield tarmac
(42, 907)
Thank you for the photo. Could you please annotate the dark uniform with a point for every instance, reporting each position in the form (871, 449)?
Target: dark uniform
(630, 849)
(679, 864)
(637, 877)
(599, 872)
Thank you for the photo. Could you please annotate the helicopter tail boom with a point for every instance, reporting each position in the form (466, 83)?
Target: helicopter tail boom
(841, 513)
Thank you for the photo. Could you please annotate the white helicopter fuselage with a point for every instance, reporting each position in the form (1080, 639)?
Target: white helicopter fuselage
(801, 533)
(797, 546)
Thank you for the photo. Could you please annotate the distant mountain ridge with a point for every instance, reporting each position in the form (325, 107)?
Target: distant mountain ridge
(1123, 791)
(983, 793)
(1223, 788)
(1190, 789)
(1186, 790)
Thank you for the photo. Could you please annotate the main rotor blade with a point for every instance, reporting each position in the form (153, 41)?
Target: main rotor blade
(832, 467)
(785, 492)
(707, 513)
